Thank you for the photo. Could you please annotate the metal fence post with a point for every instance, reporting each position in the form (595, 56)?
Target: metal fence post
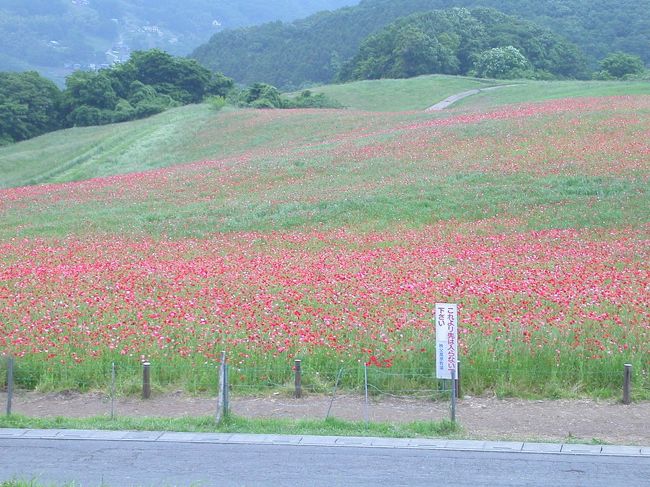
(112, 390)
(10, 383)
(226, 389)
(453, 395)
(365, 381)
(627, 384)
(298, 379)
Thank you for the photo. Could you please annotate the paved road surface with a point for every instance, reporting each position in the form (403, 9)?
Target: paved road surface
(147, 459)
(447, 102)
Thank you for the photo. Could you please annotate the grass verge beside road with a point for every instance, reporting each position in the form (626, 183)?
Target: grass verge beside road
(235, 424)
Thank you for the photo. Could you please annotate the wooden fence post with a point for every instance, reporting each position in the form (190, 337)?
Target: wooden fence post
(10, 383)
(627, 384)
(298, 380)
(146, 380)
(222, 399)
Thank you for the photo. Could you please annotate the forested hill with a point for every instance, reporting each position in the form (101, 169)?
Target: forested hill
(477, 42)
(315, 48)
(57, 36)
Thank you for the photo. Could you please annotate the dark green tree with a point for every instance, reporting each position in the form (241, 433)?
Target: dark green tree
(30, 105)
(92, 89)
(416, 52)
(620, 64)
(149, 83)
(184, 80)
(450, 41)
(262, 95)
(501, 63)
(312, 50)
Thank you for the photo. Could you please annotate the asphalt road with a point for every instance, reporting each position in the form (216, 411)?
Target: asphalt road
(112, 463)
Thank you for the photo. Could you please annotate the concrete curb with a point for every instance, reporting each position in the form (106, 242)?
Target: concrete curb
(329, 441)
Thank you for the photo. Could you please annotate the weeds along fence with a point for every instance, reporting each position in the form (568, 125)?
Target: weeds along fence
(128, 377)
(502, 379)
(222, 381)
(299, 378)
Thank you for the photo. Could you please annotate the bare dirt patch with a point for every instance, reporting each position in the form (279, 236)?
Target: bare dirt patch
(482, 417)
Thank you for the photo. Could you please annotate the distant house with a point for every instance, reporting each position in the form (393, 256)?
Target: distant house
(152, 29)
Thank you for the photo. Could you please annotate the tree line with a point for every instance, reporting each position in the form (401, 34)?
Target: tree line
(313, 50)
(149, 83)
(479, 42)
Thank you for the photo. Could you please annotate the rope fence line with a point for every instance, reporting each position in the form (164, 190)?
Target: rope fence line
(131, 378)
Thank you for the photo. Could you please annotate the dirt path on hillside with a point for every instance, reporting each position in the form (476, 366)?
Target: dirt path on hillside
(482, 417)
(447, 102)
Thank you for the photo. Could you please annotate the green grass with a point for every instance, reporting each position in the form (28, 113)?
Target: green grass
(170, 138)
(419, 93)
(196, 132)
(33, 483)
(82, 153)
(187, 134)
(283, 148)
(391, 95)
(536, 91)
(505, 369)
(181, 135)
(235, 424)
(567, 201)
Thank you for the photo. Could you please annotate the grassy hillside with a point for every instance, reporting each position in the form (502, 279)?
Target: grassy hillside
(391, 95)
(423, 91)
(329, 234)
(188, 134)
(525, 91)
(290, 169)
(195, 133)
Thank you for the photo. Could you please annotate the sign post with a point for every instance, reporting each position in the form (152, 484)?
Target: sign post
(446, 317)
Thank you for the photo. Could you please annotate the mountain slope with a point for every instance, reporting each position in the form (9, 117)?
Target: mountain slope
(312, 50)
(52, 36)
(450, 41)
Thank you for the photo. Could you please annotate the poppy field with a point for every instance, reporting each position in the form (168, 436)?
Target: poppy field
(334, 249)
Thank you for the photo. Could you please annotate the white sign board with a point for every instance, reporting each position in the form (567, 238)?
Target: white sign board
(446, 339)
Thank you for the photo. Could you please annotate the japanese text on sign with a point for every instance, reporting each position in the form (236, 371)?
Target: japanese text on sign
(446, 316)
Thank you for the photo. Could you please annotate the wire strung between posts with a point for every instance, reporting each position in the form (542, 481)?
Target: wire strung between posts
(336, 386)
